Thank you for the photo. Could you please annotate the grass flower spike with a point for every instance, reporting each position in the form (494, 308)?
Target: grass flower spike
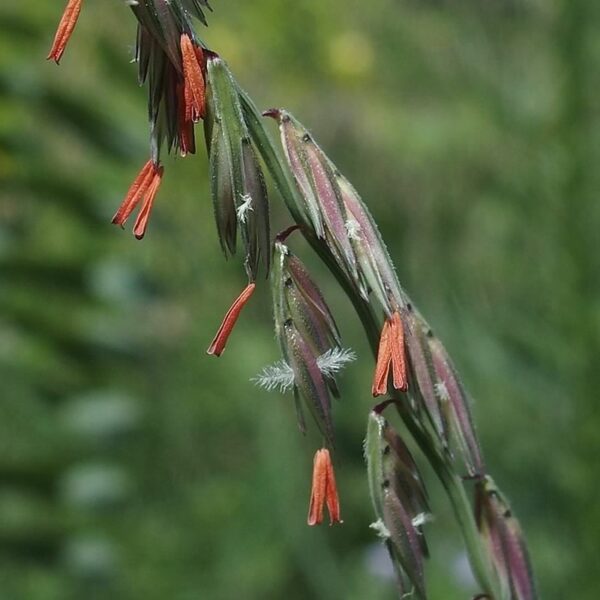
(188, 82)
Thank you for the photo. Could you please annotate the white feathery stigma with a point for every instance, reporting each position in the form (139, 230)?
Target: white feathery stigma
(280, 376)
(334, 360)
(380, 529)
(421, 519)
(276, 376)
(442, 391)
(353, 229)
(243, 209)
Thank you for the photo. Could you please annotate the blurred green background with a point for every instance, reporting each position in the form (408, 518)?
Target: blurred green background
(134, 466)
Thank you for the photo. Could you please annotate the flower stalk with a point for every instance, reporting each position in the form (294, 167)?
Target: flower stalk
(187, 82)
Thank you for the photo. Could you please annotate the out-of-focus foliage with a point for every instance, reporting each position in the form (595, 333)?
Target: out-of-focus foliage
(134, 466)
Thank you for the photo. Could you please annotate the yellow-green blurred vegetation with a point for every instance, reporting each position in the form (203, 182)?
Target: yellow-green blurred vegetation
(132, 465)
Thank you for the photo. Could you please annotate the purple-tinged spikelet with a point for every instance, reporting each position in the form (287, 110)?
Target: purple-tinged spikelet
(309, 341)
(399, 500)
(502, 534)
(456, 409)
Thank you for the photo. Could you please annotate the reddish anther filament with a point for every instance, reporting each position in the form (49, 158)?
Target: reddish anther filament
(324, 491)
(143, 189)
(65, 29)
(218, 344)
(391, 356)
(194, 86)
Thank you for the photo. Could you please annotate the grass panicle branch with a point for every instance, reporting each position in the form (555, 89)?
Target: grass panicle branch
(187, 83)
